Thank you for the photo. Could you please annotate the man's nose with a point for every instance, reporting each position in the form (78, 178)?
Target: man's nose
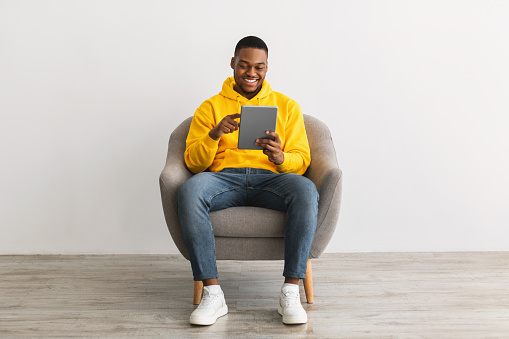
(251, 72)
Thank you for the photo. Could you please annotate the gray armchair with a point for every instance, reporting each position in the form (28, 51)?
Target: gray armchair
(261, 236)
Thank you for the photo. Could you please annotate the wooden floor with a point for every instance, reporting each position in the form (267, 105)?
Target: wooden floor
(371, 295)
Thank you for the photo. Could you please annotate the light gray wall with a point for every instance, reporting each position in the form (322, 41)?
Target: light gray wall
(415, 94)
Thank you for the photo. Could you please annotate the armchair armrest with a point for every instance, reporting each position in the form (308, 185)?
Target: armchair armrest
(173, 175)
(327, 177)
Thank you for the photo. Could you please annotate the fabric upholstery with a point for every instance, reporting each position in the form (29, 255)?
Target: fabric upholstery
(253, 233)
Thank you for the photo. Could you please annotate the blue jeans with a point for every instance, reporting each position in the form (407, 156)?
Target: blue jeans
(211, 191)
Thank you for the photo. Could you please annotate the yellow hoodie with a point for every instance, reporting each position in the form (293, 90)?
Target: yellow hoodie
(203, 152)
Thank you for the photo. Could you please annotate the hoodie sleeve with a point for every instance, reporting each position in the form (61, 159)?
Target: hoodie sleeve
(200, 147)
(296, 145)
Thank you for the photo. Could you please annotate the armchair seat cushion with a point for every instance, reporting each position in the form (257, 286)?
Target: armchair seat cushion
(248, 222)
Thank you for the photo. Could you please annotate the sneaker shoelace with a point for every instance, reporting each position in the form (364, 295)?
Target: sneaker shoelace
(210, 299)
(291, 299)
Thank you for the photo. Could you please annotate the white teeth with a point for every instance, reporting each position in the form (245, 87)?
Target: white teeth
(250, 80)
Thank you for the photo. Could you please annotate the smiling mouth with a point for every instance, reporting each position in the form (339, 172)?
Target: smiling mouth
(251, 81)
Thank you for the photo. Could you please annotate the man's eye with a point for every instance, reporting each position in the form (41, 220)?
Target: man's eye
(243, 66)
(259, 68)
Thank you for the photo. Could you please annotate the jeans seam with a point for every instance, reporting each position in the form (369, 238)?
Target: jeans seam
(269, 190)
(209, 200)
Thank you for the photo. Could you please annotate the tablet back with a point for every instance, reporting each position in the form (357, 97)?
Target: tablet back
(254, 121)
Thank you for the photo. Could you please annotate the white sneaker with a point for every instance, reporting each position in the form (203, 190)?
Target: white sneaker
(212, 306)
(290, 307)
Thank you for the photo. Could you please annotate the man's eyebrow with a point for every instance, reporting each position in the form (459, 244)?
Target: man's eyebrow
(247, 62)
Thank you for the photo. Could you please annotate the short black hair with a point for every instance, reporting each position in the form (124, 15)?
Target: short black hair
(251, 42)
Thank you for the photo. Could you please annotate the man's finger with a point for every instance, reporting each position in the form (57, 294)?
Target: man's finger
(263, 141)
(273, 143)
(233, 125)
(270, 148)
(276, 137)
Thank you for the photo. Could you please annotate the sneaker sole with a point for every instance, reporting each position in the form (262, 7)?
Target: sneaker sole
(292, 320)
(209, 320)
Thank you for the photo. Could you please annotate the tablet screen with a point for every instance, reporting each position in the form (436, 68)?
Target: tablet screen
(254, 121)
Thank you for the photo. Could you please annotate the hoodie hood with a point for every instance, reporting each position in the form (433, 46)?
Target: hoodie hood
(228, 92)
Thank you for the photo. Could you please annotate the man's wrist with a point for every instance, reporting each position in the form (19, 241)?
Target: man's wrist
(282, 159)
(213, 136)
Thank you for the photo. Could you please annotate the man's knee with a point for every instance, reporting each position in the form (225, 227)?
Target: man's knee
(305, 188)
(310, 188)
(192, 188)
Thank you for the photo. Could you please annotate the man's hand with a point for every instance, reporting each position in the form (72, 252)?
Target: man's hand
(225, 126)
(272, 148)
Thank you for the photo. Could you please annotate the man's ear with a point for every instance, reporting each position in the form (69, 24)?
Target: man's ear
(232, 63)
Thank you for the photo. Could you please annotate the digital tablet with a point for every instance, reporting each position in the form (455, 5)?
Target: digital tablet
(254, 121)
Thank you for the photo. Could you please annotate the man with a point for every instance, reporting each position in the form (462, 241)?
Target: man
(274, 175)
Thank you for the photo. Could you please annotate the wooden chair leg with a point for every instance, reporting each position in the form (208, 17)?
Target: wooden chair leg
(198, 287)
(308, 283)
